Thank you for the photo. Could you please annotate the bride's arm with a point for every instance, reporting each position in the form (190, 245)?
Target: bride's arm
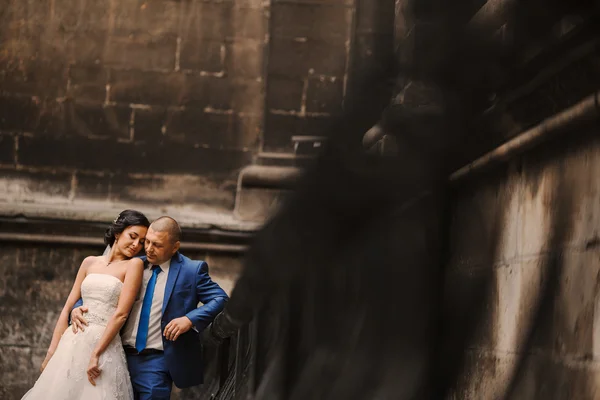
(63, 319)
(131, 287)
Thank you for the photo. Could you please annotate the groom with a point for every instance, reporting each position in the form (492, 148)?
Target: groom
(162, 335)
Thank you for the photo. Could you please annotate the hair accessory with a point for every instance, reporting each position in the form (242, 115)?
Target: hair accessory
(116, 219)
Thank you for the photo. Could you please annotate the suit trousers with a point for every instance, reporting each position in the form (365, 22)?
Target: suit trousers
(150, 377)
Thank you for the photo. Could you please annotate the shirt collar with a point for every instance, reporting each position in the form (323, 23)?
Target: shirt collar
(164, 267)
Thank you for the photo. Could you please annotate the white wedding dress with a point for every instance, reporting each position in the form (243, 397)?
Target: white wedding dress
(65, 375)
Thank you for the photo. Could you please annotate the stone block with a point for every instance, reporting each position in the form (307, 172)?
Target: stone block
(16, 366)
(34, 186)
(202, 55)
(81, 15)
(99, 121)
(141, 51)
(207, 91)
(76, 152)
(34, 77)
(279, 130)
(85, 48)
(197, 127)
(244, 59)
(29, 12)
(92, 186)
(248, 96)
(18, 114)
(206, 21)
(297, 57)
(34, 285)
(147, 87)
(322, 22)
(52, 118)
(88, 83)
(153, 17)
(249, 23)
(7, 149)
(148, 125)
(284, 93)
(171, 189)
(31, 329)
(325, 95)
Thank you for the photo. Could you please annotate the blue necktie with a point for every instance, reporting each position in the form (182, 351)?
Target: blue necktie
(142, 333)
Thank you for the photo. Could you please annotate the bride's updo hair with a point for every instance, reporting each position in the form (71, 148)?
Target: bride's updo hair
(124, 219)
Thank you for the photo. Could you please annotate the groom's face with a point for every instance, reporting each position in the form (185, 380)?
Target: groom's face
(159, 246)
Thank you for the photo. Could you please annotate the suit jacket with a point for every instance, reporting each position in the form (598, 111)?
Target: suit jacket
(188, 283)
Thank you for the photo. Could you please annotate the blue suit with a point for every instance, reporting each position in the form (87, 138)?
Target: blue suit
(188, 283)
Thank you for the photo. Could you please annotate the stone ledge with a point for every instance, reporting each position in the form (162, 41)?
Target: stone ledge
(103, 212)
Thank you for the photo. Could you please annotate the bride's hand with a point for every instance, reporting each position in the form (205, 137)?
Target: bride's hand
(49, 355)
(93, 371)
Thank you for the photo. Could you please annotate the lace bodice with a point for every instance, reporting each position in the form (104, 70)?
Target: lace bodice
(100, 294)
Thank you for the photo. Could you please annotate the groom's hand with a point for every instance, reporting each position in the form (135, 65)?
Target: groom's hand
(77, 320)
(177, 327)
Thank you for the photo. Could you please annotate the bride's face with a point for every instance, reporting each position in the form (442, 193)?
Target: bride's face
(131, 240)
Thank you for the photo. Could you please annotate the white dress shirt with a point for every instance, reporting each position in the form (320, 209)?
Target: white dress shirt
(154, 340)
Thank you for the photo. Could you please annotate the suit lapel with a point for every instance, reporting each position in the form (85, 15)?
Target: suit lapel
(171, 279)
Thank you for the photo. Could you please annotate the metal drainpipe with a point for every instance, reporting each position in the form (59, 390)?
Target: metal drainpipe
(492, 16)
(585, 111)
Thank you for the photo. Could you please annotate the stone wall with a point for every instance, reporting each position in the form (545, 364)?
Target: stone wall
(531, 231)
(160, 101)
(35, 282)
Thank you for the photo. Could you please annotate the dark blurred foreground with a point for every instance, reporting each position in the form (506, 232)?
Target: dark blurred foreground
(379, 280)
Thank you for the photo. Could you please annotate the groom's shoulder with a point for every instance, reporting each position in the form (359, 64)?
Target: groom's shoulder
(188, 263)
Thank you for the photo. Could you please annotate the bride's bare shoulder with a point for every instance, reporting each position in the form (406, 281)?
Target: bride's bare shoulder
(90, 260)
(135, 263)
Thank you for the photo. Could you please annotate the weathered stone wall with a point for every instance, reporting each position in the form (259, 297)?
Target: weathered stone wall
(531, 227)
(160, 101)
(123, 101)
(34, 285)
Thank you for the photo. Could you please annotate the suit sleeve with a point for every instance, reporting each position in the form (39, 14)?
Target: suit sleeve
(78, 304)
(212, 297)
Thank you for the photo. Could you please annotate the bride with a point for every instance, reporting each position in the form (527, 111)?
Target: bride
(108, 285)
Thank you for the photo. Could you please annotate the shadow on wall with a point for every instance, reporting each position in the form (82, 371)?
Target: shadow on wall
(536, 338)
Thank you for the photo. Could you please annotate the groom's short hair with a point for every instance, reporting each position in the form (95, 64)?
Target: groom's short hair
(169, 225)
